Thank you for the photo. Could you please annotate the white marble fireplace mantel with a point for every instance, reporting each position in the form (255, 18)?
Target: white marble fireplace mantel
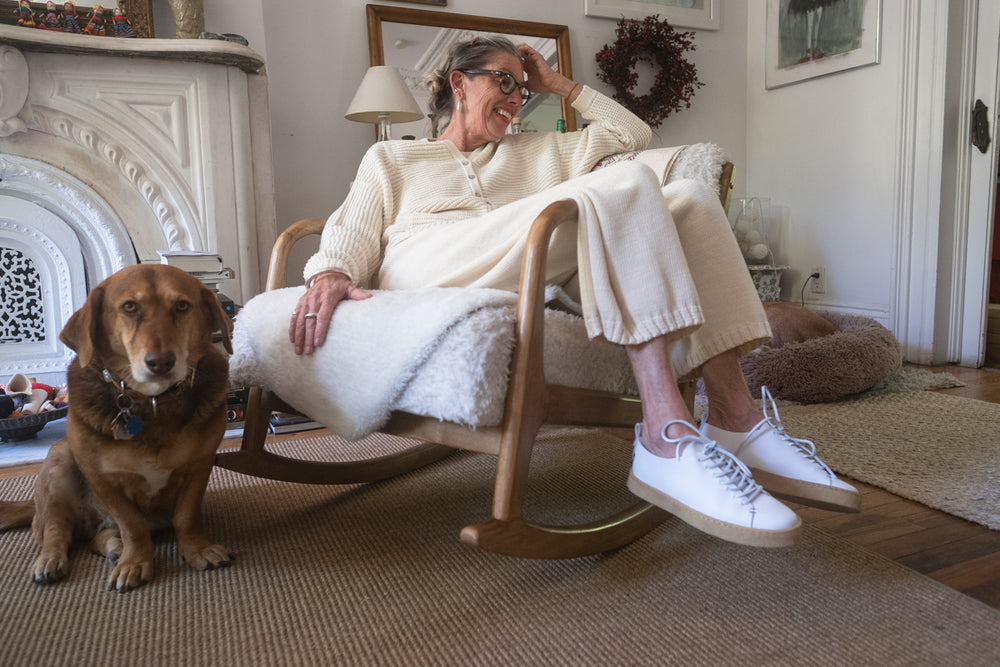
(113, 149)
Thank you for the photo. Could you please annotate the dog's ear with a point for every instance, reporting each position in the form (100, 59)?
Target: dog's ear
(84, 327)
(217, 317)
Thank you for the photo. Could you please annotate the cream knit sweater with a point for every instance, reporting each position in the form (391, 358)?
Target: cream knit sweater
(404, 187)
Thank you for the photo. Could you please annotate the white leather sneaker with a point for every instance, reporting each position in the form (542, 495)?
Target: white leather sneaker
(709, 488)
(787, 467)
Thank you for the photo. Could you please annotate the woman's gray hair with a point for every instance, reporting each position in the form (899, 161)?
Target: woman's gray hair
(474, 54)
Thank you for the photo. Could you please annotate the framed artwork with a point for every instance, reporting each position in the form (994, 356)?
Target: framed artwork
(140, 14)
(439, 3)
(810, 38)
(703, 14)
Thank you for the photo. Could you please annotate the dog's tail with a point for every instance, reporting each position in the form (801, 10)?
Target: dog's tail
(16, 514)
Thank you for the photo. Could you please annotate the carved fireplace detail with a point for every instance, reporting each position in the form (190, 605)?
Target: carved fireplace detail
(110, 152)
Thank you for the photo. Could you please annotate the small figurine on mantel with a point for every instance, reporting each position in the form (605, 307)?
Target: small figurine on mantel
(69, 22)
(95, 26)
(123, 27)
(51, 19)
(25, 16)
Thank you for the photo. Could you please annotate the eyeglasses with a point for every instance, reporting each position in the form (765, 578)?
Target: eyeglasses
(506, 80)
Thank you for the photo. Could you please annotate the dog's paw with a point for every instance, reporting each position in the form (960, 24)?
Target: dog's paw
(50, 568)
(209, 557)
(108, 545)
(128, 575)
(113, 551)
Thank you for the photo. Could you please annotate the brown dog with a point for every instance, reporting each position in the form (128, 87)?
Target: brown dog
(792, 323)
(147, 395)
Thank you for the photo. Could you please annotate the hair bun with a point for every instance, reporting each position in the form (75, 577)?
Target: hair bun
(434, 81)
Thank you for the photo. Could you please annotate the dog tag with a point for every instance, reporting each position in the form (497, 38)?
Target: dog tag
(127, 426)
(133, 425)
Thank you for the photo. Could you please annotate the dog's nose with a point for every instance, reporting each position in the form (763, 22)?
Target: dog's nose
(160, 363)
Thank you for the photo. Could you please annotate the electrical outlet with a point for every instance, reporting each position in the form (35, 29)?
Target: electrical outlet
(817, 285)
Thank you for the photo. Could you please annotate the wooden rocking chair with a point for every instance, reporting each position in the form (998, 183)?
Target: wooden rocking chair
(531, 403)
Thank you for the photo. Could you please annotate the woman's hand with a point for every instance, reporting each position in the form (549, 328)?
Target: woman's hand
(311, 318)
(541, 77)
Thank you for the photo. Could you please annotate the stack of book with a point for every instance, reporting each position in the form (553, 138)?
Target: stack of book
(284, 422)
(207, 266)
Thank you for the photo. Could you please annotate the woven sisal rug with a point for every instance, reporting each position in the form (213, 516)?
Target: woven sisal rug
(940, 450)
(376, 575)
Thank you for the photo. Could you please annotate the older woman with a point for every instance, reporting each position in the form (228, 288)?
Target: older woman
(656, 270)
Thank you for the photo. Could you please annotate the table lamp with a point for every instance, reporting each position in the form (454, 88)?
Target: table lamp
(383, 98)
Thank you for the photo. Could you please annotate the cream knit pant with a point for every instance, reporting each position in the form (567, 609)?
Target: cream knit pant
(650, 261)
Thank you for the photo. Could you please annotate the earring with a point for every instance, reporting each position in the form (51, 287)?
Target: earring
(458, 105)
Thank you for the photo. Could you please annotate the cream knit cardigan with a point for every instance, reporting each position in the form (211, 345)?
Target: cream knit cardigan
(403, 187)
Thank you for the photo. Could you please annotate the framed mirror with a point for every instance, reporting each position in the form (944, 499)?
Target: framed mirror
(416, 41)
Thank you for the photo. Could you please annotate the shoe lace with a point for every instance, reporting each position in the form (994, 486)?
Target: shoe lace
(806, 448)
(729, 470)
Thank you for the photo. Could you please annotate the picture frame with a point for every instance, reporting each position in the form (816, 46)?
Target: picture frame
(801, 45)
(699, 14)
(140, 13)
(437, 3)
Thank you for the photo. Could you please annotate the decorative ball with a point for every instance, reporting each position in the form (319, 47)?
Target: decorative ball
(758, 251)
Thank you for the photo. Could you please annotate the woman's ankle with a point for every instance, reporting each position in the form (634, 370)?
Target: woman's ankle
(654, 442)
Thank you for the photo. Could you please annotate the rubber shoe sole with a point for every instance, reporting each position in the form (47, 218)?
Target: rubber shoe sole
(753, 537)
(820, 496)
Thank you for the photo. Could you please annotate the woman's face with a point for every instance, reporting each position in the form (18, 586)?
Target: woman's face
(486, 110)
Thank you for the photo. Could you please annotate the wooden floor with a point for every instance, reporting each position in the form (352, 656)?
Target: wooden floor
(959, 554)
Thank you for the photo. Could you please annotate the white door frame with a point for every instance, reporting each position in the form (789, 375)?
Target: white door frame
(915, 294)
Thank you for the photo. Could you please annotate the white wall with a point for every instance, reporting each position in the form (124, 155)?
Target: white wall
(243, 17)
(824, 150)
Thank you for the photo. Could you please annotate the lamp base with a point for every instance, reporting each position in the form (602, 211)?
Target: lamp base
(383, 128)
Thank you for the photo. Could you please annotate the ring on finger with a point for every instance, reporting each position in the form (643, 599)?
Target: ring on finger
(311, 316)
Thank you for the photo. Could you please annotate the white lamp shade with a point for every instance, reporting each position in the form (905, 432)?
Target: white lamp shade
(381, 92)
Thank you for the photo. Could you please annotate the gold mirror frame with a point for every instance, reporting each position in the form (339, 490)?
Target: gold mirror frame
(377, 14)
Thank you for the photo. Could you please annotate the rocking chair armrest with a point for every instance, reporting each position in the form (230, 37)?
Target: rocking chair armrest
(527, 394)
(532, 283)
(277, 270)
(531, 288)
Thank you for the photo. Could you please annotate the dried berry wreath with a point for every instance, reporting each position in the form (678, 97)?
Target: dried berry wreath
(657, 43)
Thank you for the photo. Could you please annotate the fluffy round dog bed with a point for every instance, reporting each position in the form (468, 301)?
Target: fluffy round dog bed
(859, 356)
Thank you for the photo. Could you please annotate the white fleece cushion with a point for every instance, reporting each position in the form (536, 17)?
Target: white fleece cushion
(438, 352)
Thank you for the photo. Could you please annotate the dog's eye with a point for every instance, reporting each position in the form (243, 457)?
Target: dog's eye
(182, 306)
(130, 307)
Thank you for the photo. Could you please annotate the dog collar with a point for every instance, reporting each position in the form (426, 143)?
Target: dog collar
(127, 425)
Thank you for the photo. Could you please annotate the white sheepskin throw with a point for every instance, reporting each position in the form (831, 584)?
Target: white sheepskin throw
(373, 349)
(700, 162)
(859, 356)
(438, 352)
